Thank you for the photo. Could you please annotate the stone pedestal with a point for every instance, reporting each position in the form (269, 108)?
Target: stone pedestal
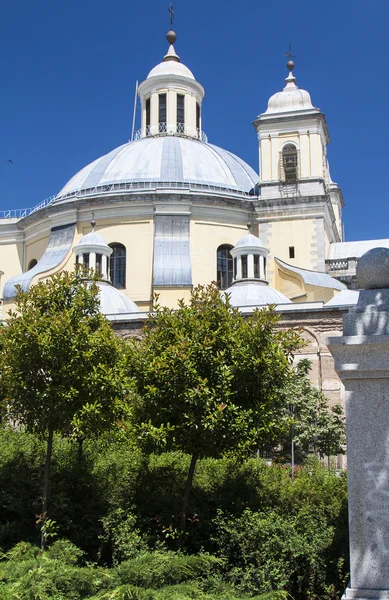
(362, 362)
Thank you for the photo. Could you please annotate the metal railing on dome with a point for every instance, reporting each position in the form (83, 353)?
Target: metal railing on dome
(165, 129)
(20, 213)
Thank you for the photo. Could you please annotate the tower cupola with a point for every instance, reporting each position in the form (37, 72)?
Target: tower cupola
(171, 98)
(249, 258)
(93, 253)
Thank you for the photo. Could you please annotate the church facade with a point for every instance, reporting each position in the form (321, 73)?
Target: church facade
(172, 211)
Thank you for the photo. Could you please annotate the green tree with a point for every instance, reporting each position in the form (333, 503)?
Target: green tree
(208, 379)
(308, 421)
(60, 364)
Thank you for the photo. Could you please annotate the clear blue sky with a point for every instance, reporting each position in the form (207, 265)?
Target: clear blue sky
(68, 70)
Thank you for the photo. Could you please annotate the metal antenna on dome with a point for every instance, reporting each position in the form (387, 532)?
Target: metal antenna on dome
(93, 222)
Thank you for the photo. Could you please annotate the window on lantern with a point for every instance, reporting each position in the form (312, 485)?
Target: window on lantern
(148, 116)
(162, 112)
(290, 162)
(180, 113)
(225, 267)
(86, 261)
(117, 266)
(32, 263)
(244, 267)
(291, 251)
(198, 118)
(256, 266)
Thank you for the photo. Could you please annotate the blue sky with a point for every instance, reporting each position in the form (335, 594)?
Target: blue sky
(68, 71)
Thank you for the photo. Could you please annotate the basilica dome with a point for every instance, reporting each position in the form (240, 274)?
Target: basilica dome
(165, 161)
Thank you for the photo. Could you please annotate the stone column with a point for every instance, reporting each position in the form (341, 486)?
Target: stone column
(362, 362)
(238, 267)
(250, 266)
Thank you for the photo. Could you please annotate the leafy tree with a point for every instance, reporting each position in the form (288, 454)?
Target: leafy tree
(60, 364)
(209, 380)
(315, 426)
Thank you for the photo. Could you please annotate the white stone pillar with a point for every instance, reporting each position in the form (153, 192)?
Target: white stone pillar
(250, 266)
(80, 258)
(238, 267)
(92, 260)
(262, 274)
(104, 267)
(362, 362)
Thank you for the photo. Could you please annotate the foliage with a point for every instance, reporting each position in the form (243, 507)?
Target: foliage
(27, 574)
(317, 427)
(60, 360)
(60, 366)
(208, 378)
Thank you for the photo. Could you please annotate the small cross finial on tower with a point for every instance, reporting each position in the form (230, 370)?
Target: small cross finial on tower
(171, 13)
(93, 222)
(171, 35)
(290, 63)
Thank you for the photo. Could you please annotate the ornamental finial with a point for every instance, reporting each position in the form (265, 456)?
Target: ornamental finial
(93, 222)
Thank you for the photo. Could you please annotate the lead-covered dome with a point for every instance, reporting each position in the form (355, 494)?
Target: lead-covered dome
(165, 161)
(291, 99)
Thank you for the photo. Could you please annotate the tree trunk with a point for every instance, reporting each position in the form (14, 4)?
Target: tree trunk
(188, 488)
(46, 485)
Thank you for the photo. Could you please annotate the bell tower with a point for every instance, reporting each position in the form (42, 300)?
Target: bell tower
(299, 209)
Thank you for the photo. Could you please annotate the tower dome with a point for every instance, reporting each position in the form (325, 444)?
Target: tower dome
(291, 99)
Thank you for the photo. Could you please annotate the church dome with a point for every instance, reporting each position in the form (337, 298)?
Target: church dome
(249, 241)
(171, 162)
(112, 302)
(247, 293)
(92, 239)
(290, 99)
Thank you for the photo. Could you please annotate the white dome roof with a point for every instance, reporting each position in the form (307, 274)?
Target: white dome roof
(92, 239)
(171, 65)
(254, 293)
(163, 160)
(290, 99)
(250, 241)
(112, 302)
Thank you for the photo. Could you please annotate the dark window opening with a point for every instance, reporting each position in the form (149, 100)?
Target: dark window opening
(256, 266)
(180, 113)
(86, 261)
(225, 267)
(290, 162)
(148, 116)
(162, 112)
(198, 117)
(291, 251)
(32, 263)
(117, 266)
(244, 267)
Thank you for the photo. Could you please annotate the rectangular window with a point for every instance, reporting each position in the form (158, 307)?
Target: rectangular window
(198, 117)
(244, 267)
(148, 116)
(291, 251)
(98, 263)
(86, 261)
(180, 113)
(162, 112)
(256, 266)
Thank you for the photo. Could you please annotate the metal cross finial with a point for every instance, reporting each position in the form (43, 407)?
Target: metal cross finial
(93, 222)
(289, 54)
(171, 13)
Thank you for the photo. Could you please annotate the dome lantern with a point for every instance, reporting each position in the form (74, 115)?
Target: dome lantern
(93, 252)
(250, 286)
(171, 98)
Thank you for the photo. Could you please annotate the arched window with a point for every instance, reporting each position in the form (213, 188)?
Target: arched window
(32, 264)
(117, 266)
(225, 267)
(289, 160)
